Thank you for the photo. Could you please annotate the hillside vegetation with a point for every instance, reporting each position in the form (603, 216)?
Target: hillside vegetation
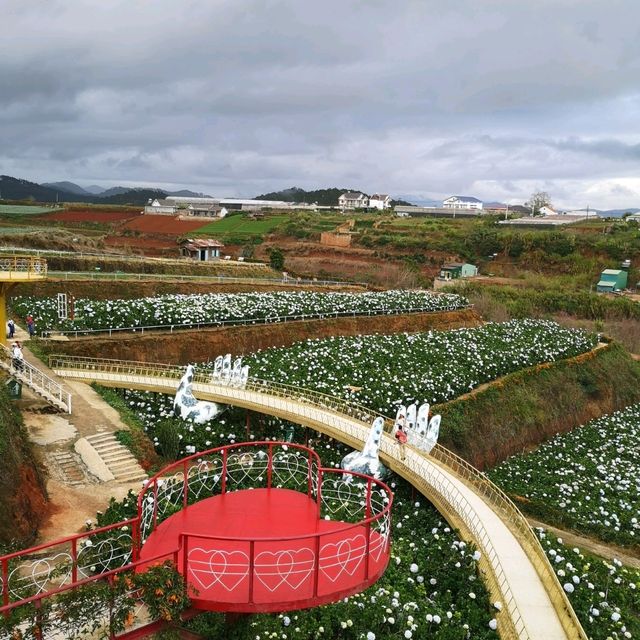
(527, 407)
(22, 489)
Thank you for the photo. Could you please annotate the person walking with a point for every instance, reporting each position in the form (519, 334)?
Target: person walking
(401, 439)
(31, 325)
(17, 356)
(12, 328)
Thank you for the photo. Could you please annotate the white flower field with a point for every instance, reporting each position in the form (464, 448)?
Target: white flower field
(389, 370)
(228, 308)
(588, 479)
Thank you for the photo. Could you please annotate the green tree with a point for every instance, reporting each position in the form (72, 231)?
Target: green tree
(276, 259)
(538, 200)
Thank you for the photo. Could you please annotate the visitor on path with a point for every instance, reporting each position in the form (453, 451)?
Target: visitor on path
(401, 439)
(12, 328)
(17, 356)
(31, 327)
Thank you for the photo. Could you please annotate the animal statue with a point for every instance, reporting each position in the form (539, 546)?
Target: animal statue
(367, 460)
(188, 407)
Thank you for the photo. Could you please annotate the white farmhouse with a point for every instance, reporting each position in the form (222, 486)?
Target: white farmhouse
(462, 202)
(547, 211)
(160, 206)
(353, 200)
(380, 201)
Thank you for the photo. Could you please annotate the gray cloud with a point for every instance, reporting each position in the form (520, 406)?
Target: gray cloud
(408, 96)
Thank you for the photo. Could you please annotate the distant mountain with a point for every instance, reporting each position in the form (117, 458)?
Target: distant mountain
(67, 187)
(94, 189)
(132, 196)
(419, 201)
(17, 189)
(617, 213)
(185, 193)
(323, 197)
(115, 191)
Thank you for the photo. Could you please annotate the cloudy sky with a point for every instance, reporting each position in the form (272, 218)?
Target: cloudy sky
(492, 98)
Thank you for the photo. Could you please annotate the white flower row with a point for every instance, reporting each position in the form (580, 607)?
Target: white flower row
(212, 308)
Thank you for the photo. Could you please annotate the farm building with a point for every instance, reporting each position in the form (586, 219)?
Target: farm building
(612, 280)
(158, 206)
(455, 270)
(380, 201)
(462, 202)
(201, 249)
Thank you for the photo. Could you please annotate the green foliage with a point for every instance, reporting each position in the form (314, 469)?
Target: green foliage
(323, 197)
(276, 259)
(168, 439)
(241, 226)
(22, 487)
(529, 406)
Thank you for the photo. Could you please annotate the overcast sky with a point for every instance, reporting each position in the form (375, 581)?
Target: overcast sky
(491, 98)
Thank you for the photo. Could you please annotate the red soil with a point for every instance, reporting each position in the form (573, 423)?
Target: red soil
(164, 225)
(88, 215)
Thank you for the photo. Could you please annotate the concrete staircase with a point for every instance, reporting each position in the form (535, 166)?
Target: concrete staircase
(118, 459)
(34, 378)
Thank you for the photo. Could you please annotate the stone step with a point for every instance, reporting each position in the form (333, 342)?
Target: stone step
(122, 464)
(116, 457)
(105, 447)
(100, 437)
(133, 477)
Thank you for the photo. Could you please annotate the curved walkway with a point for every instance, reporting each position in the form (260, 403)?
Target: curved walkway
(512, 561)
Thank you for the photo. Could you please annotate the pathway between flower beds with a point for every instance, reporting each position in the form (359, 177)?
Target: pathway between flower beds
(84, 471)
(534, 605)
(590, 545)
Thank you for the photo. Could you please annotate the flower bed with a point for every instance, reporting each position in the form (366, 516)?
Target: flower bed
(431, 587)
(587, 479)
(218, 308)
(605, 595)
(389, 370)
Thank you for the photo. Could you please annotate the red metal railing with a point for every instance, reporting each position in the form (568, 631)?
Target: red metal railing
(44, 571)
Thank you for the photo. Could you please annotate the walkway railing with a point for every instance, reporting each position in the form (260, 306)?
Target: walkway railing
(19, 266)
(120, 275)
(349, 421)
(249, 321)
(52, 391)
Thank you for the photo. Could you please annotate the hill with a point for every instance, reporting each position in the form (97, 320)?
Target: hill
(17, 189)
(323, 197)
(67, 187)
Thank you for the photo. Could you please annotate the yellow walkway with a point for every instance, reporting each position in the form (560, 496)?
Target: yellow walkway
(513, 563)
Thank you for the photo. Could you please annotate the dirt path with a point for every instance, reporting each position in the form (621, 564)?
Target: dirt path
(590, 545)
(74, 490)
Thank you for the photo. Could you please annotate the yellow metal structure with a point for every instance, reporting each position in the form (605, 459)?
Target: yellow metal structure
(454, 486)
(13, 270)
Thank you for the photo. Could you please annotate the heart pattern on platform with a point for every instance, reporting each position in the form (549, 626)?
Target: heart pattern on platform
(342, 557)
(289, 567)
(214, 566)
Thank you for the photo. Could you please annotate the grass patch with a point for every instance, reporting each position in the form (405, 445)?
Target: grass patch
(241, 225)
